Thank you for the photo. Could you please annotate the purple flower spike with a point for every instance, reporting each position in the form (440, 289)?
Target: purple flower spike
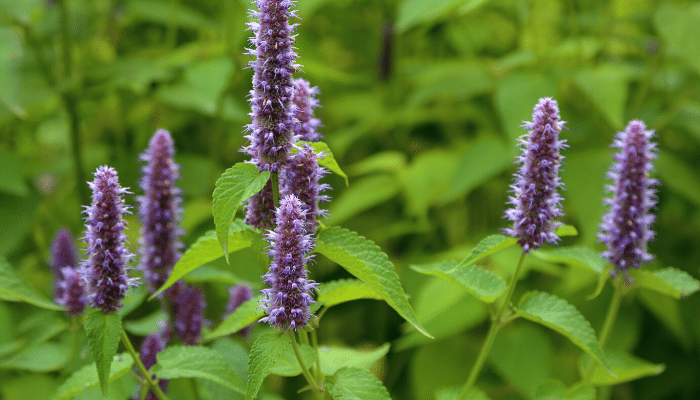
(106, 268)
(151, 346)
(159, 211)
(238, 295)
(286, 303)
(63, 254)
(535, 198)
(301, 177)
(625, 229)
(73, 291)
(260, 209)
(190, 315)
(305, 101)
(272, 131)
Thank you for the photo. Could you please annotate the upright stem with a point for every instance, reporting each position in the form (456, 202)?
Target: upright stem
(75, 342)
(154, 386)
(314, 344)
(496, 323)
(275, 188)
(605, 331)
(304, 370)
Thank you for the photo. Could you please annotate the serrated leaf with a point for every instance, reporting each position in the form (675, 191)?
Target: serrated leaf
(341, 291)
(246, 314)
(555, 390)
(265, 351)
(206, 249)
(455, 393)
(86, 377)
(366, 261)
(669, 281)
(103, 334)
(334, 358)
(236, 185)
(356, 384)
(557, 314)
(13, 288)
(625, 366)
(483, 284)
(197, 362)
(577, 256)
(287, 363)
(327, 160)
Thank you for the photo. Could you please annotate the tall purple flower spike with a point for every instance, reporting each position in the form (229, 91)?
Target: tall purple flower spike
(271, 132)
(151, 346)
(105, 269)
(190, 315)
(625, 229)
(238, 295)
(287, 302)
(301, 177)
(63, 254)
(260, 209)
(305, 101)
(536, 202)
(159, 211)
(73, 296)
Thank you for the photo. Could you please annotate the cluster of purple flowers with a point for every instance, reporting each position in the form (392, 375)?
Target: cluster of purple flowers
(69, 288)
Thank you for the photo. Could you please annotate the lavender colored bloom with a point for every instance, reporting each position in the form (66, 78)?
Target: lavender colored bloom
(238, 295)
(106, 268)
(286, 303)
(625, 229)
(260, 208)
(190, 315)
(305, 101)
(151, 346)
(73, 295)
(535, 198)
(301, 177)
(271, 131)
(63, 254)
(159, 211)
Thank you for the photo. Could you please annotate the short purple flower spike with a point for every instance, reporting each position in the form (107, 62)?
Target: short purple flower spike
(625, 229)
(190, 315)
(73, 291)
(238, 295)
(305, 101)
(271, 132)
(260, 209)
(151, 346)
(301, 177)
(287, 302)
(159, 211)
(535, 198)
(63, 254)
(106, 268)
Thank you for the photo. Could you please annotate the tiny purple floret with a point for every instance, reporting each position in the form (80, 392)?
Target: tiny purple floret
(190, 315)
(73, 297)
(238, 295)
(305, 101)
(63, 254)
(151, 346)
(260, 209)
(301, 177)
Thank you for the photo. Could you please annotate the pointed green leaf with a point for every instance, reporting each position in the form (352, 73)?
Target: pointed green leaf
(366, 261)
(483, 284)
(246, 314)
(327, 160)
(669, 281)
(456, 392)
(625, 366)
(133, 299)
(266, 350)
(151, 323)
(356, 384)
(341, 291)
(197, 362)
(236, 185)
(607, 87)
(556, 390)
(334, 358)
(206, 249)
(577, 256)
(86, 377)
(557, 314)
(13, 288)
(416, 12)
(364, 194)
(103, 334)
(208, 274)
(42, 358)
(287, 363)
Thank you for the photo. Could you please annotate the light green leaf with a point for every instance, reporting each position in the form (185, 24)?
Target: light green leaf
(385, 161)
(133, 299)
(356, 384)
(416, 12)
(208, 274)
(43, 358)
(327, 160)
(556, 390)
(557, 314)
(287, 363)
(160, 11)
(367, 262)
(11, 180)
(483, 284)
(449, 79)
(197, 362)
(334, 358)
(517, 96)
(206, 249)
(13, 288)
(607, 88)
(246, 314)
(456, 392)
(669, 281)
(625, 366)
(362, 195)
(236, 185)
(577, 256)
(679, 177)
(426, 179)
(266, 350)
(341, 291)
(86, 377)
(678, 25)
(103, 334)
(151, 323)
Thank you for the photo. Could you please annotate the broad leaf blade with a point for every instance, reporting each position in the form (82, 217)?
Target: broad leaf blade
(13, 288)
(287, 363)
(334, 358)
(625, 366)
(266, 350)
(456, 392)
(246, 314)
(554, 389)
(484, 285)
(197, 362)
(327, 160)
(236, 185)
(103, 333)
(86, 377)
(341, 291)
(356, 384)
(669, 281)
(367, 262)
(578, 256)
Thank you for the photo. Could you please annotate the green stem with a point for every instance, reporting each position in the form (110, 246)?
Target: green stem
(496, 324)
(195, 389)
(137, 360)
(314, 344)
(304, 369)
(275, 188)
(608, 324)
(75, 341)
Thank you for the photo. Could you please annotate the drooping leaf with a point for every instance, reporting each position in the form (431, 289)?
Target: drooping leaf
(455, 393)
(367, 262)
(246, 314)
(13, 288)
(556, 390)
(287, 363)
(557, 314)
(362, 195)
(334, 358)
(197, 362)
(341, 291)
(327, 160)
(578, 256)
(236, 185)
(669, 281)
(625, 366)
(103, 333)
(266, 350)
(86, 377)
(356, 384)
(483, 284)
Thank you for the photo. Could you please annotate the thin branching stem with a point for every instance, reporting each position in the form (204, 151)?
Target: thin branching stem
(146, 375)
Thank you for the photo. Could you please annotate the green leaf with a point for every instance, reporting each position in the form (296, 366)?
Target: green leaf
(207, 274)
(86, 377)
(367, 262)
(197, 362)
(206, 249)
(11, 180)
(677, 25)
(456, 392)
(669, 281)
(555, 390)
(362, 195)
(287, 363)
(625, 366)
(607, 87)
(356, 384)
(334, 358)
(679, 177)
(385, 161)
(327, 160)
(13, 288)
(151, 323)
(133, 299)
(236, 185)
(246, 314)
(160, 11)
(103, 334)
(577, 256)
(42, 358)
(416, 12)
(341, 291)
(483, 284)
(557, 314)
(266, 350)
(516, 97)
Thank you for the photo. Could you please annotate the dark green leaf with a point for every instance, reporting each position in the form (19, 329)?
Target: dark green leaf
(86, 377)
(669, 281)
(455, 393)
(266, 350)
(356, 384)
(103, 334)
(197, 362)
(246, 314)
(483, 284)
(625, 366)
(12, 288)
(11, 180)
